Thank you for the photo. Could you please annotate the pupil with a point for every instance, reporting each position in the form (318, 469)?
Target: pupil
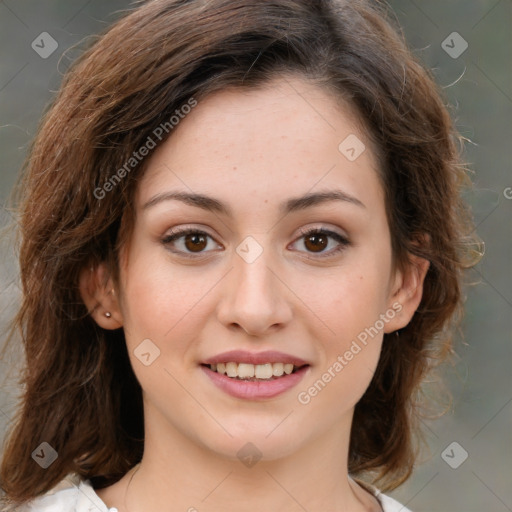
(196, 239)
(316, 244)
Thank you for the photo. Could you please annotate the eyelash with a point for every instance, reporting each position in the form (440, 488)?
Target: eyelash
(342, 240)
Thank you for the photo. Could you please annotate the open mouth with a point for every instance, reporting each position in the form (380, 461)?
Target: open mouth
(254, 372)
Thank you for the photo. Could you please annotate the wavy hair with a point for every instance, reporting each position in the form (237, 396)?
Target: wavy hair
(80, 394)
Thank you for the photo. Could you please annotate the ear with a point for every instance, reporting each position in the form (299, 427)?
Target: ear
(406, 292)
(99, 296)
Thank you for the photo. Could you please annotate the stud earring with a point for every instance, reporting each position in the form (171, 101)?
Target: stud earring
(108, 314)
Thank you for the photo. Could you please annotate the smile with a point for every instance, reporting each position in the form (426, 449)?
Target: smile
(254, 382)
(253, 372)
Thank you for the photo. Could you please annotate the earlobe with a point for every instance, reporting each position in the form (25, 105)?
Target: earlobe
(97, 292)
(407, 292)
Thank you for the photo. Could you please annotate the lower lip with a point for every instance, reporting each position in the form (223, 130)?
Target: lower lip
(253, 390)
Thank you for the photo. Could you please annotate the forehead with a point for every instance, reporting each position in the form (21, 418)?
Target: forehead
(288, 136)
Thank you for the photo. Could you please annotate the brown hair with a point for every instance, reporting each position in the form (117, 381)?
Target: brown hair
(80, 393)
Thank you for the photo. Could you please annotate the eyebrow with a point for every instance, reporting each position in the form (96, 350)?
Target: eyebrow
(291, 205)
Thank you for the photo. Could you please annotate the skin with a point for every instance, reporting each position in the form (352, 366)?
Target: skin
(252, 150)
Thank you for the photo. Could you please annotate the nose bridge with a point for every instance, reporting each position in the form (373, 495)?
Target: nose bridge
(255, 299)
(253, 279)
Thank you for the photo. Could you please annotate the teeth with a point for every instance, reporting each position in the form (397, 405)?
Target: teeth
(246, 370)
(253, 371)
(278, 369)
(232, 369)
(263, 371)
(288, 368)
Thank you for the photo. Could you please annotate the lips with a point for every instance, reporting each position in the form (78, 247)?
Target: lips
(255, 375)
(255, 358)
(254, 371)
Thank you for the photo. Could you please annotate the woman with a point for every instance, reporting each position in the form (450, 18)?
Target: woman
(242, 244)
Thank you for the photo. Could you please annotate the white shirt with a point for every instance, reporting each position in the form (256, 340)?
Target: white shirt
(76, 495)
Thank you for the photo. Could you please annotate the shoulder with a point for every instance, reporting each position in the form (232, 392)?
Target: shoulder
(71, 495)
(387, 503)
(76, 495)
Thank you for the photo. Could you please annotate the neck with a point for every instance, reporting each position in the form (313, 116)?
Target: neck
(194, 478)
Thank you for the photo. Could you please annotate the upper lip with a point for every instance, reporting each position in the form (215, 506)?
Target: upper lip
(243, 356)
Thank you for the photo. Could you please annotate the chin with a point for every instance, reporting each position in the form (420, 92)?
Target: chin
(253, 444)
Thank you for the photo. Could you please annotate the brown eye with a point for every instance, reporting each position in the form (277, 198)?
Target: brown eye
(316, 242)
(187, 242)
(195, 242)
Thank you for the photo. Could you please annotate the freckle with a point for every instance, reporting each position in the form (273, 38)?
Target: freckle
(234, 168)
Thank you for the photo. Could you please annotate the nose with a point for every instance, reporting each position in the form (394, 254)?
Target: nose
(254, 297)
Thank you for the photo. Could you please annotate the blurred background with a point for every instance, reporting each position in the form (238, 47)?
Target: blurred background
(467, 45)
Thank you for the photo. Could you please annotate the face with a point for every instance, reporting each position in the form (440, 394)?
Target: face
(258, 270)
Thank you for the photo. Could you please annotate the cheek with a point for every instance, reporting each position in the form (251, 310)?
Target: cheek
(350, 304)
(338, 387)
(159, 304)
(350, 299)
(160, 319)
(350, 347)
